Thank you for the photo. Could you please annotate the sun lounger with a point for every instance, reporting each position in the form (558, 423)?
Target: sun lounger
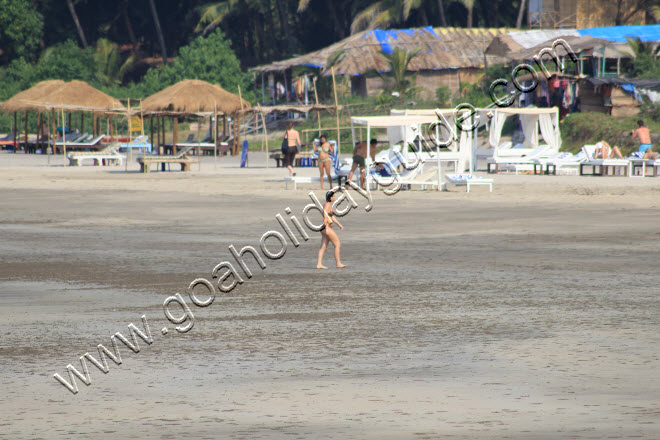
(602, 167)
(109, 154)
(517, 163)
(181, 158)
(424, 179)
(141, 143)
(560, 163)
(469, 180)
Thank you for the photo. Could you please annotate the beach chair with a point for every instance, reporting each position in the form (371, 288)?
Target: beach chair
(468, 180)
(181, 158)
(334, 174)
(140, 143)
(560, 163)
(602, 167)
(424, 178)
(517, 163)
(109, 154)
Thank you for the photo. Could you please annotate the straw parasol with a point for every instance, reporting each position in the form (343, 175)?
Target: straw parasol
(192, 95)
(24, 101)
(78, 95)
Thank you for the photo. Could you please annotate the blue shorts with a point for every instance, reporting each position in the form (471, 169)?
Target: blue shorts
(644, 147)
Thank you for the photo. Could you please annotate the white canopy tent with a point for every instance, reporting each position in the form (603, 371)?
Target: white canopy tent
(399, 129)
(532, 119)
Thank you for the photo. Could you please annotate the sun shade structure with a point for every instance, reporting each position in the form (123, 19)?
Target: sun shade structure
(79, 96)
(192, 96)
(23, 101)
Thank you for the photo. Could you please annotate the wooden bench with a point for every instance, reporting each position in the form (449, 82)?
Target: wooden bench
(181, 158)
(279, 159)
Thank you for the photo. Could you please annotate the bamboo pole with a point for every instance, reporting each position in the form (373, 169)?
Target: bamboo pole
(128, 143)
(238, 121)
(334, 87)
(26, 130)
(199, 146)
(64, 134)
(215, 133)
(52, 133)
(263, 120)
(16, 132)
(316, 97)
(142, 125)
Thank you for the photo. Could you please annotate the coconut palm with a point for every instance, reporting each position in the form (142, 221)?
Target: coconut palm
(398, 62)
(469, 5)
(384, 13)
(111, 69)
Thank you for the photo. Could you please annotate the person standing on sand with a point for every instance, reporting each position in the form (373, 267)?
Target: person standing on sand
(327, 233)
(644, 136)
(294, 142)
(325, 149)
(359, 157)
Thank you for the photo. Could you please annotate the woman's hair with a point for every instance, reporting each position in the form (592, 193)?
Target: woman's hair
(289, 126)
(323, 136)
(329, 195)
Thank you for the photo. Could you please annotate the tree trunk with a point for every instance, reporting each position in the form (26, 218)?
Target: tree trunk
(441, 8)
(72, 9)
(422, 16)
(521, 12)
(129, 26)
(284, 24)
(333, 13)
(495, 15)
(159, 31)
(469, 17)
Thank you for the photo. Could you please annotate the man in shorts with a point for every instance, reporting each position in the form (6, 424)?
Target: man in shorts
(644, 137)
(359, 157)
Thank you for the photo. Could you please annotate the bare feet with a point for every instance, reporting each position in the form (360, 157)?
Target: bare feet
(320, 266)
(339, 266)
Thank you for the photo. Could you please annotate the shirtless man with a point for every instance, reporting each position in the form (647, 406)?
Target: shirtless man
(359, 156)
(644, 137)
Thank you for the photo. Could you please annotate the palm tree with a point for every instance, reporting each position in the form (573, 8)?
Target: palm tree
(398, 62)
(383, 13)
(521, 12)
(339, 29)
(469, 5)
(72, 10)
(159, 31)
(110, 68)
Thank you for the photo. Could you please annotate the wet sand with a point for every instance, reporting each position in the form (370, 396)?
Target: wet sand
(528, 313)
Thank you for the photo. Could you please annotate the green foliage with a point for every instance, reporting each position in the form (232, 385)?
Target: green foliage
(578, 129)
(110, 67)
(21, 27)
(207, 58)
(443, 95)
(66, 61)
(645, 64)
(402, 82)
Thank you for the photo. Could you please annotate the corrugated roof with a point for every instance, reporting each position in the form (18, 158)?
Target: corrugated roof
(528, 39)
(649, 32)
(442, 48)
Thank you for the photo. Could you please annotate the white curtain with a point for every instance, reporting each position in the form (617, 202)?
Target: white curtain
(530, 129)
(496, 125)
(550, 131)
(464, 151)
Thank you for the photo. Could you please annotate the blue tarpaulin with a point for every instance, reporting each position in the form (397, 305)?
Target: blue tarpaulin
(383, 36)
(649, 32)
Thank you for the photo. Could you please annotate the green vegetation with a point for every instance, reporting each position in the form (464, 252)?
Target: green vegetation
(578, 129)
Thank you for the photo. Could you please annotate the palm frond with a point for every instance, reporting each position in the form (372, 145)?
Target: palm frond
(212, 14)
(302, 5)
(363, 19)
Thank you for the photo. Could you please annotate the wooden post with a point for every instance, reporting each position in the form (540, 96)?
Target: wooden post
(224, 125)
(334, 87)
(64, 134)
(263, 120)
(151, 132)
(82, 122)
(215, 133)
(199, 147)
(16, 132)
(94, 128)
(286, 87)
(52, 133)
(142, 126)
(263, 90)
(238, 122)
(130, 150)
(175, 135)
(316, 97)
(26, 131)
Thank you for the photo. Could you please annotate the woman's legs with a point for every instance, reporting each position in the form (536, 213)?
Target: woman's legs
(321, 168)
(334, 239)
(324, 246)
(616, 153)
(327, 171)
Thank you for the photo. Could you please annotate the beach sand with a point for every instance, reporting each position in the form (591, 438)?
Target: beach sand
(531, 312)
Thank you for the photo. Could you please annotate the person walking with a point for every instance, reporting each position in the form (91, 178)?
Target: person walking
(325, 149)
(328, 235)
(359, 157)
(293, 138)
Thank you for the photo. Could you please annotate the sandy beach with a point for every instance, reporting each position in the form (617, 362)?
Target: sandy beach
(531, 312)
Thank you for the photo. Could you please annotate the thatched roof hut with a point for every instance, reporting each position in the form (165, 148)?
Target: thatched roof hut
(192, 96)
(24, 101)
(80, 96)
(444, 52)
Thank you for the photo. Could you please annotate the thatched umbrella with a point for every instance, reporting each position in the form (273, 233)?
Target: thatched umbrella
(192, 96)
(79, 96)
(24, 102)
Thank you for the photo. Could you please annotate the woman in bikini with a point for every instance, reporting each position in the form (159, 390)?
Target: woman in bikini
(325, 149)
(327, 233)
(604, 151)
